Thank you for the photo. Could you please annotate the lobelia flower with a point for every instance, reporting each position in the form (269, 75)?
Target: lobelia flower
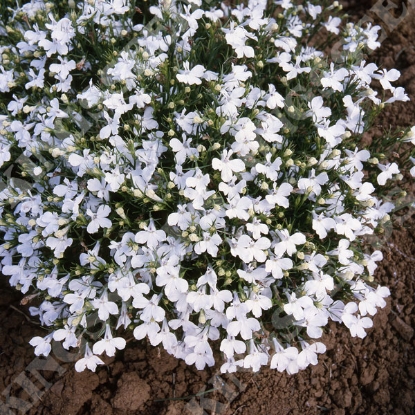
(277, 265)
(342, 252)
(279, 195)
(89, 361)
(99, 219)
(166, 337)
(191, 76)
(226, 166)
(105, 307)
(313, 183)
(126, 217)
(151, 310)
(42, 345)
(355, 323)
(319, 285)
(322, 224)
(296, 306)
(249, 249)
(332, 25)
(150, 236)
(230, 346)
(308, 356)
(68, 335)
(210, 244)
(284, 358)
(387, 172)
(372, 300)
(288, 243)
(108, 344)
(258, 302)
(200, 299)
(244, 326)
(169, 278)
(183, 149)
(256, 358)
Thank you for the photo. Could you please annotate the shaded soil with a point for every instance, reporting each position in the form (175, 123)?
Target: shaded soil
(372, 376)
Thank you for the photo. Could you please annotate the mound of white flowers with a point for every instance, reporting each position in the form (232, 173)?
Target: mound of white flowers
(192, 173)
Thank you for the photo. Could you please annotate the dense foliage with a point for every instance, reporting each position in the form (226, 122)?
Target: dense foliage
(192, 172)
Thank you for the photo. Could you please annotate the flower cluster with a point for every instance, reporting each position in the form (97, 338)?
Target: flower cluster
(190, 172)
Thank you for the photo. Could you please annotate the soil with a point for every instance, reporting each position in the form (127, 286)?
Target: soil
(371, 376)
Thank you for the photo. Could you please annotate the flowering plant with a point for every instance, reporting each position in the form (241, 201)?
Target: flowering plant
(190, 172)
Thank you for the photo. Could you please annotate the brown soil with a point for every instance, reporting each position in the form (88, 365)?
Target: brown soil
(371, 376)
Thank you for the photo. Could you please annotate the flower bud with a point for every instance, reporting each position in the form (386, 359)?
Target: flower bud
(194, 238)
(289, 163)
(312, 161)
(202, 317)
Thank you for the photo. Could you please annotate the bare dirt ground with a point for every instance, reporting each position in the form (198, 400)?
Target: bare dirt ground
(374, 376)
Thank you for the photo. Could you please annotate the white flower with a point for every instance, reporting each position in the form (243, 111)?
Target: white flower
(257, 228)
(89, 361)
(257, 303)
(334, 78)
(256, 358)
(99, 219)
(332, 25)
(64, 67)
(313, 183)
(270, 169)
(308, 356)
(200, 360)
(283, 357)
(319, 285)
(42, 345)
(182, 218)
(342, 252)
(4, 154)
(296, 306)
(249, 249)
(317, 110)
(105, 307)
(398, 95)
(280, 194)
(385, 78)
(166, 337)
(151, 310)
(148, 328)
(68, 335)
(244, 326)
(169, 278)
(288, 242)
(101, 188)
(230, 346)
(273, 98)
(200, 299)
(322, 224)
(210, 244)
(183, 149)
(83, 163)
(372, 300)
(109, 344)
(387, 172)
(277, 265)
(151, 236)
(355, 323)
(236, 37)
(227, 166)
(191, 76)
(59, 245)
